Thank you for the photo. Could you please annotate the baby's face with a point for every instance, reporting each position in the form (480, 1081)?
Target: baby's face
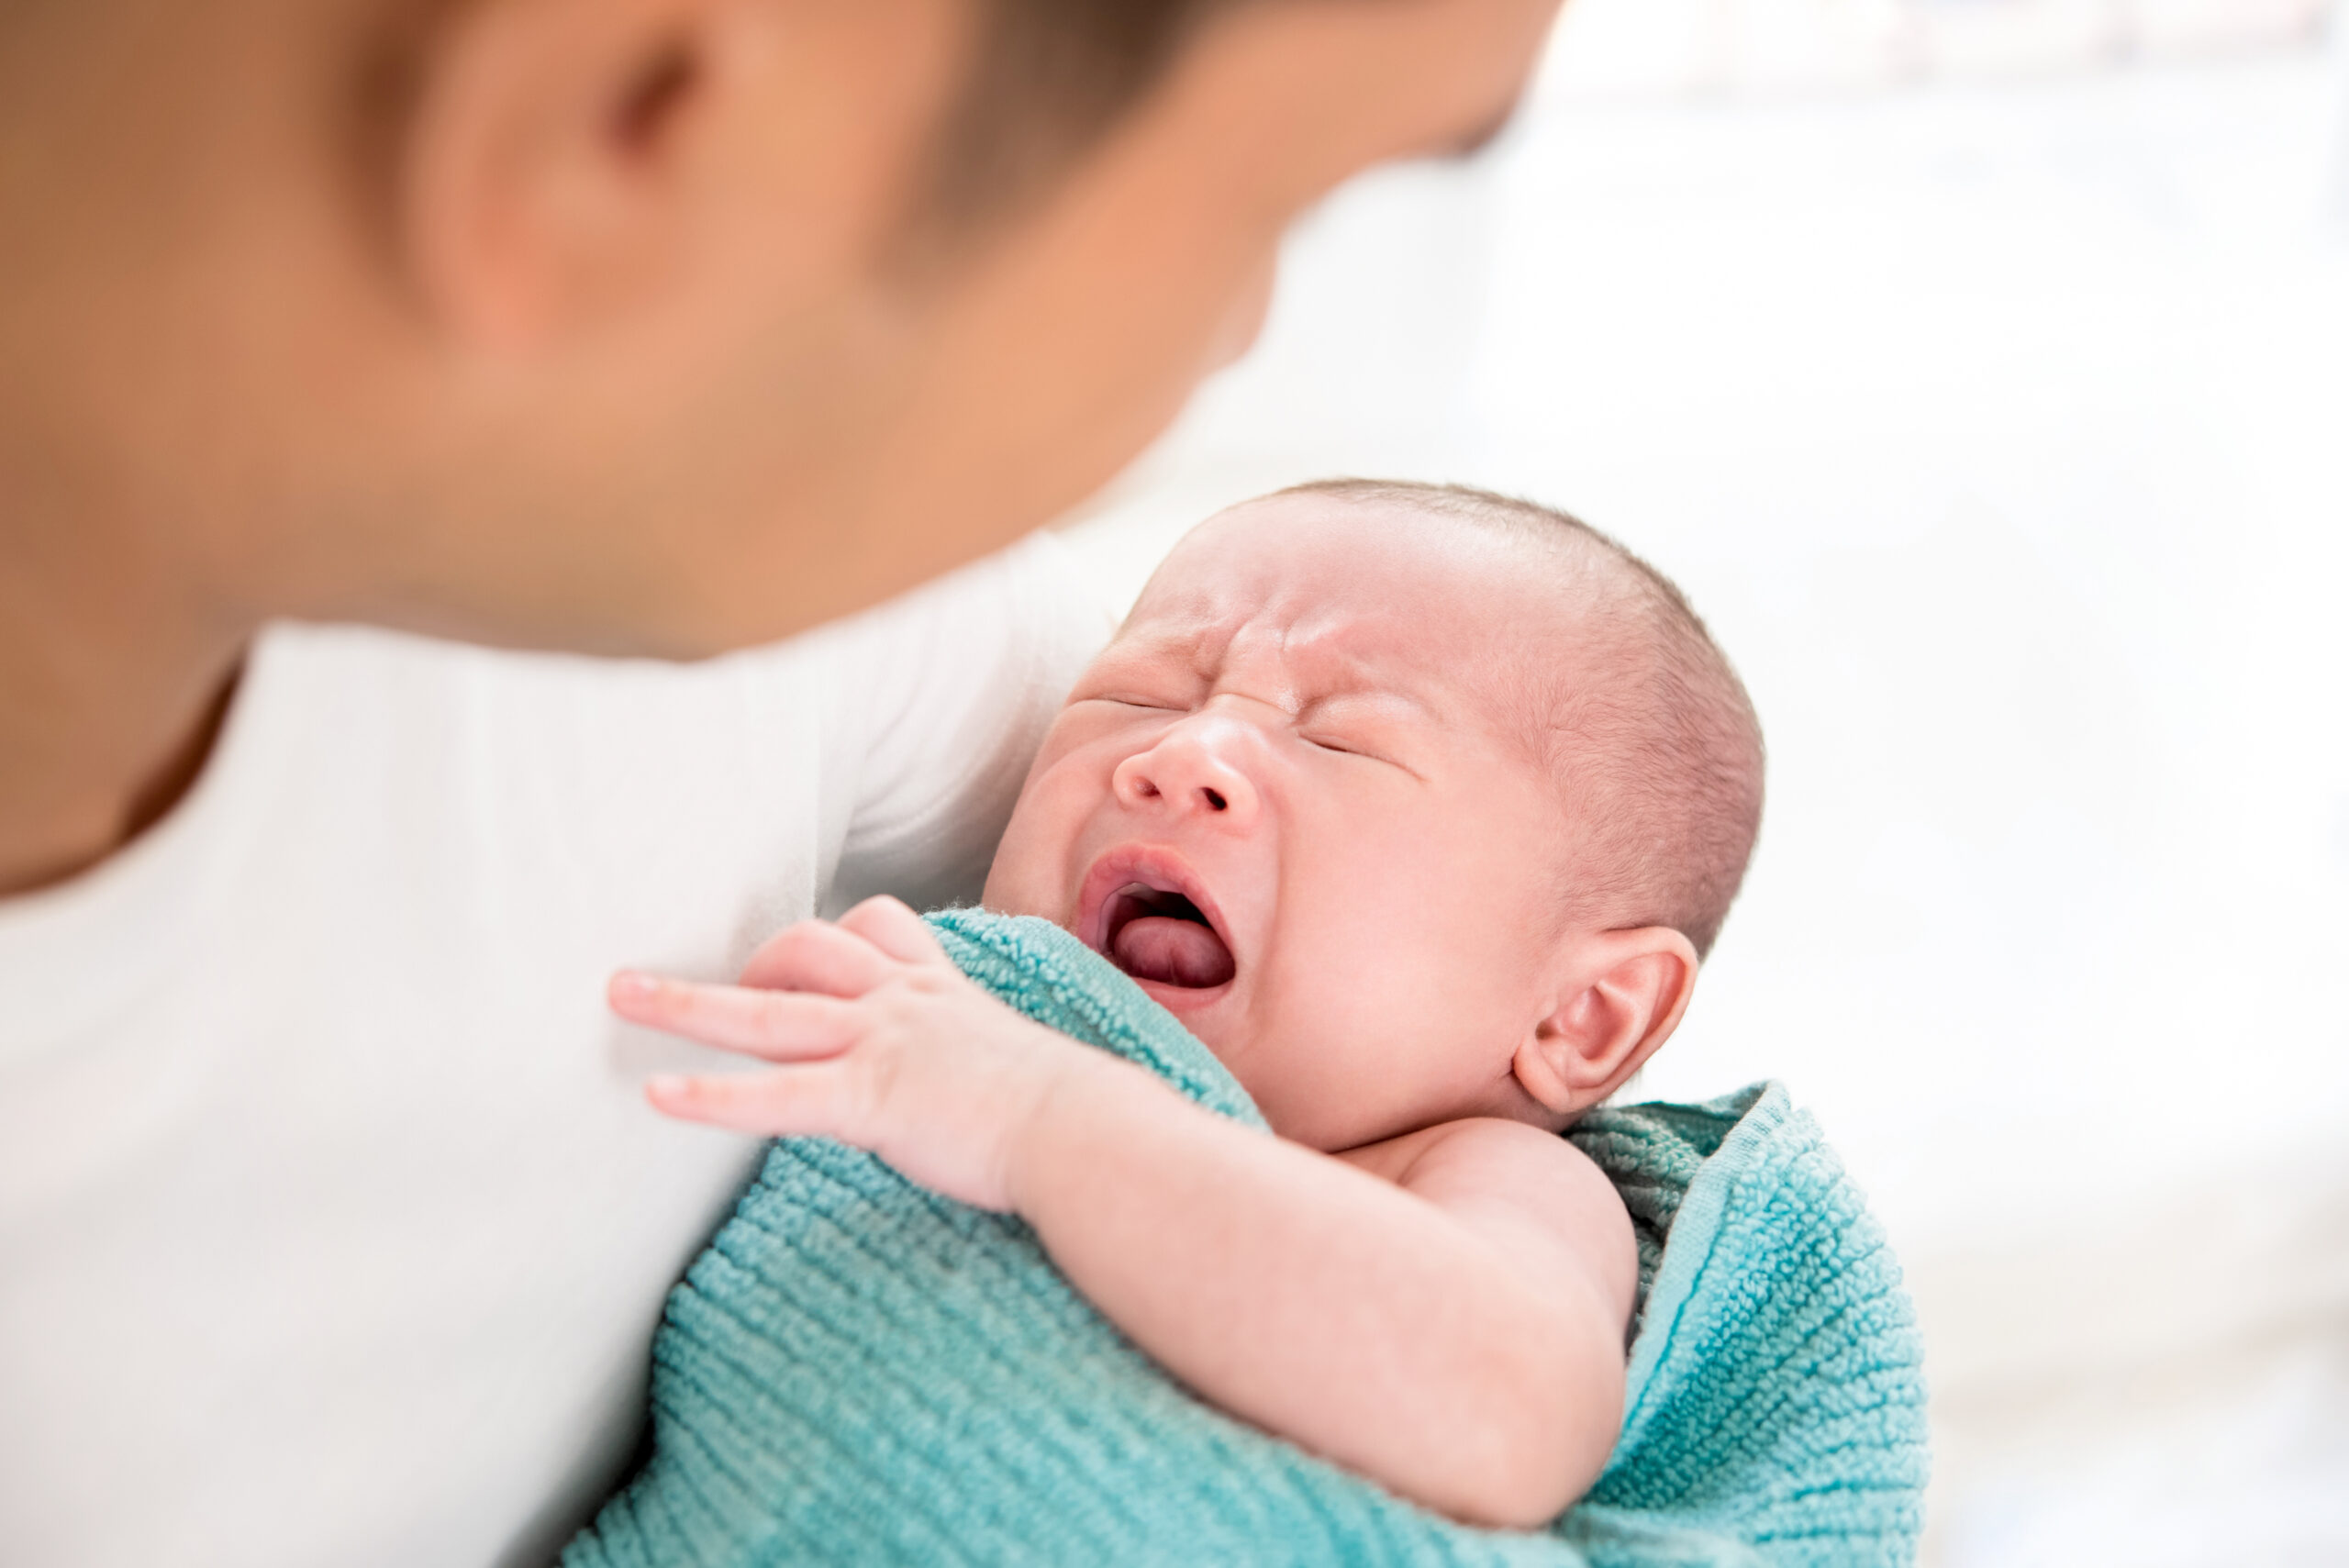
(1287, 801)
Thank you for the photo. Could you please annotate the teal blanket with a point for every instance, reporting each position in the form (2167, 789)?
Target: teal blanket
(857, 1371)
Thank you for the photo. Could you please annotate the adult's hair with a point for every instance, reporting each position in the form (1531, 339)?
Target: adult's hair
(1045, 80)
(1654, 740)
(1048, 78)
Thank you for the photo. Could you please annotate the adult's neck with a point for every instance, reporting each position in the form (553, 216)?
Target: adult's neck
(118, 646)
(116, 671)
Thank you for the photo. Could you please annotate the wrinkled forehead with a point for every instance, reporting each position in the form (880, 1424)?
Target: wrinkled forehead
(1395, 594)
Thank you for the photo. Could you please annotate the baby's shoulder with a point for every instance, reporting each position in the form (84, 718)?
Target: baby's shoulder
(1516, 1160)
(1524, 1184)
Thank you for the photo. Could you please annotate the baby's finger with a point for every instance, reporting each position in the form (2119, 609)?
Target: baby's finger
(780, 1026)
(816, 955)
(888, 925)
(789, 1102)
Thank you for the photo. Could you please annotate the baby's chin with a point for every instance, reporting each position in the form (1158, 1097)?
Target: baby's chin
(1224, 1033)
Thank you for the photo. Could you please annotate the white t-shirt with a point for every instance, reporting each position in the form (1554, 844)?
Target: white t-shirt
(333, 1228)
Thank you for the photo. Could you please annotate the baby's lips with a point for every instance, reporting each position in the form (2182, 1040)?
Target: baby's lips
(1155, 868)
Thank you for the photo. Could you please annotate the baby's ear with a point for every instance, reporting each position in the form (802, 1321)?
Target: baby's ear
(1620, 997)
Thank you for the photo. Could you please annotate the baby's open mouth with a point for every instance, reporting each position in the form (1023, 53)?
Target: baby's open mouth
(1155, 934)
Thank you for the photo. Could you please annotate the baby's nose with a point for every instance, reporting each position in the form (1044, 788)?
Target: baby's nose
(1198, 766)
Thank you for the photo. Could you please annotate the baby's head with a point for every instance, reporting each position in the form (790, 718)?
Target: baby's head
(1413, 802)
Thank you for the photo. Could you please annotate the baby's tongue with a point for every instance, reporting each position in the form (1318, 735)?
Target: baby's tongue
(1172, 952)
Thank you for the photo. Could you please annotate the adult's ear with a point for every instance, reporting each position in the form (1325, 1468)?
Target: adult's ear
(1622, 996)
(564, 163)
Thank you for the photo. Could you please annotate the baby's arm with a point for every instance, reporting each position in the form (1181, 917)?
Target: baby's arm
(1443, 1312)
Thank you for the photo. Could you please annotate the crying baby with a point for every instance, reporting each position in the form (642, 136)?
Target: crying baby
(1419, 807)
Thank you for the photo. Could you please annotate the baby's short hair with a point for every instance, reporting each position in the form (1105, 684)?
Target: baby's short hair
(1658, 749)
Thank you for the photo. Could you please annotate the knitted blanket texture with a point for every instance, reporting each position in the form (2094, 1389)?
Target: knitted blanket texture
(857, 1371)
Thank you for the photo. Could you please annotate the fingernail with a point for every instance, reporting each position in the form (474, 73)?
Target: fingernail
(634, 984)
(667, 1085)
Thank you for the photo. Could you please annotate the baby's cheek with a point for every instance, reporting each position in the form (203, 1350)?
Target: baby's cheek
(1032, 875)
(1018, 882)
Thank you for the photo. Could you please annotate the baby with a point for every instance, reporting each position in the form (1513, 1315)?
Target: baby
(1419, 807)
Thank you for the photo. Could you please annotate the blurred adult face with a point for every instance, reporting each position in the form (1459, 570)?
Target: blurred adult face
(983, 392)
(608, 359)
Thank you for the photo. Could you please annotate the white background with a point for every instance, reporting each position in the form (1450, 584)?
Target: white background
(1981, 367)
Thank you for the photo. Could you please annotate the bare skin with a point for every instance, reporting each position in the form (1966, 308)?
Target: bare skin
(1289, 801)
(533, 354)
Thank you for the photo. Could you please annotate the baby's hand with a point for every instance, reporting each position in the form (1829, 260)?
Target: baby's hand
(882, 1044)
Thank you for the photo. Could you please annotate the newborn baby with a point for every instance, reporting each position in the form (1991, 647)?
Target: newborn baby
(1418, 807)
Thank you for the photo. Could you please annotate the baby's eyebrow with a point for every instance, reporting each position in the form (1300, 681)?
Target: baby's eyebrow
(1386, 699)
(1187, 648)
(1327, 670)
(1314, 672)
